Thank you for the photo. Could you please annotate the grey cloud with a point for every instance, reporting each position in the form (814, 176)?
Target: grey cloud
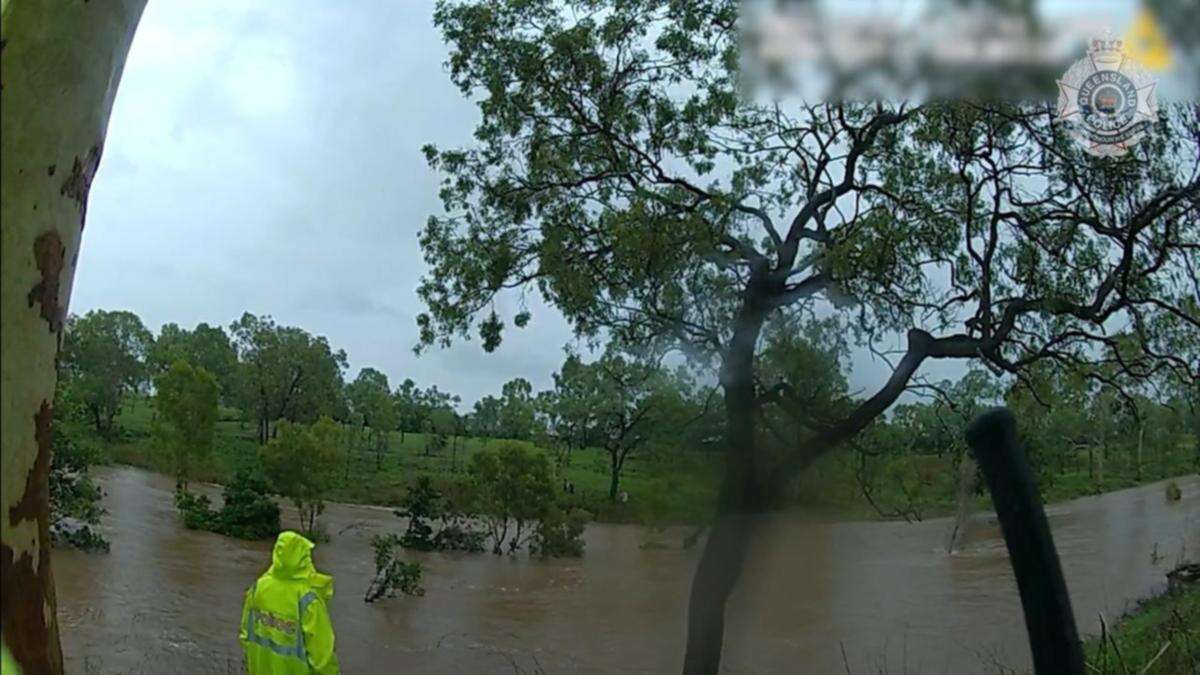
(265, 157)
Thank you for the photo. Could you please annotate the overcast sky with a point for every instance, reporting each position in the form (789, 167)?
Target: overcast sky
(265, 157)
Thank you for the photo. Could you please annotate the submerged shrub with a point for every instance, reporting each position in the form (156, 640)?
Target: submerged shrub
(76, 533)
(560, 534)
(422, 503)
(458, 534)
(247, 513)
(1173, 492)
(75, 509)
(392, 574)
(196, 510)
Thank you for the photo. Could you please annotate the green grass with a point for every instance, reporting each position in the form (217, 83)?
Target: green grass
(924, 485)
(681, 490)
(1134, 643)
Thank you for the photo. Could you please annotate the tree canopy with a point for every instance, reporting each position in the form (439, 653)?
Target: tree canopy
(205, 346)
(372, 404)
(516, 413)
(300, 462)
(104, 355)
(285, 373)
(618, 403)
(187, 398)
(617, 172)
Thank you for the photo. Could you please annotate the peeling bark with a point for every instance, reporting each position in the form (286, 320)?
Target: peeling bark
(26, 590)
(58, 76)
(34, 497)
(48, 252)
(79, 183)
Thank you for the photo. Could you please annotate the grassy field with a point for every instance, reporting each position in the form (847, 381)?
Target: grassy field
(1160, 637)
(923, 486)
(681, 491)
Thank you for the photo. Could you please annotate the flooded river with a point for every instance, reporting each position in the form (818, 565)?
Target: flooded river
(885, 594)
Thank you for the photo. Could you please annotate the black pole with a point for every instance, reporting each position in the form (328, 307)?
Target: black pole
(1053, 638)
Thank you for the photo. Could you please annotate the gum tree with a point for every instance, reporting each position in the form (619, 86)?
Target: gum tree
(611, 402)
(205, 346)
(104, 354)
(285, 373)
(514, 488)
(186, 399)
(617, 173)
(370, 399)
(301, 463)
(61, 64)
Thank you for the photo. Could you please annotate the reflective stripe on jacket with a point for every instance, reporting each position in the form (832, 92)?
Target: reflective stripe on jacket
(285, 627)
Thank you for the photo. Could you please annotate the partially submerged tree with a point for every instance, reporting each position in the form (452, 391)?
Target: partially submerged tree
(513, 490)
(617, 171)
(104, 355)
(422, 504)
(61, 67)
(301, 462)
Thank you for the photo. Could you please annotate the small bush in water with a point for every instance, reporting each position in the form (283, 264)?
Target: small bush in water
(560, 534)
(75, 509)
(392, 575)
(247, 512)
(1174, 494)
(421, 504)
(76, 533)
(457, 534)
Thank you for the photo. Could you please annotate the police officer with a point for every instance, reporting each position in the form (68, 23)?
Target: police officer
(286, 628)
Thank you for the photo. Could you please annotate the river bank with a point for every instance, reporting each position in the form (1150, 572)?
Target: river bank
(1161, 635)
(167, 598)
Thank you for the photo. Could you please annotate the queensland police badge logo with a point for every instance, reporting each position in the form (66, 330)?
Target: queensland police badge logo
(1107, 99)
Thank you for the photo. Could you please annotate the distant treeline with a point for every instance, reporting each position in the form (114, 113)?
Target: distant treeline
(624, 404)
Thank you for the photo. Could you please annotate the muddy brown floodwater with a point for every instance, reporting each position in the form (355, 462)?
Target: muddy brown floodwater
(167, 600)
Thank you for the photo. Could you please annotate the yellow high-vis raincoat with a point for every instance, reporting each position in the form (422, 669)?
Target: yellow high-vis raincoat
(8, 666)
(285, 621)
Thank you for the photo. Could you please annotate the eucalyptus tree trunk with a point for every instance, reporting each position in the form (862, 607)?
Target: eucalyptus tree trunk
(741, 498)
(60, 63)
(614, 474)
(1141, 440)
